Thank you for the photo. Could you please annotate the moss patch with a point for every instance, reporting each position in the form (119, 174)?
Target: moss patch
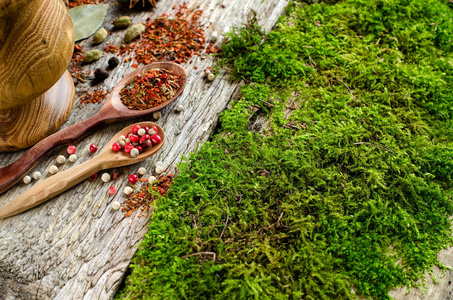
(350, 189)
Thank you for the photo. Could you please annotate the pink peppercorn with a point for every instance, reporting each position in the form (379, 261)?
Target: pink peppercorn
(94, 177)
(156, 139)
(133, 178)
(134, 138)
(112, 190)
(116, 147)
(93, 148)
(71, 150)
(136, 128)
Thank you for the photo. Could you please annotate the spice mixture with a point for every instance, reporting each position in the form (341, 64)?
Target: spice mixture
(150, 89)
(95, 97)
(176, 39)
(148, 194)
(74, 3)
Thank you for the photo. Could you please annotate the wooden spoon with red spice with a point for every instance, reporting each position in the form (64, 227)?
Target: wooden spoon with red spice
(112, 111)
(62, 181)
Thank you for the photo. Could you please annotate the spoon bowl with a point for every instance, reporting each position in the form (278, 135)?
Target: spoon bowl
(62, 181)
(112, 111)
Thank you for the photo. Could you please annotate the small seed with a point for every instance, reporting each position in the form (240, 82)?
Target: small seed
(122, 22)
(152, 132)
(105, 177)
(179, 108)
(122, 143)
(72, 158)
(53, 169)
(159, 163)
(133, 32)
(142, 171)
(92, 55)
(135, 152)
(141, 131)
(211, 77)
(61, 159)
(101, 74)
(36, 175)
(122, 138)
(113, 62)
(27, 179)
(128, 190)
(157, 115)
(99, 36)
(151, 179)
(159, 169)
(116, 205)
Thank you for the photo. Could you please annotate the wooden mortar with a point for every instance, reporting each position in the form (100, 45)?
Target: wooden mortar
(36, 45)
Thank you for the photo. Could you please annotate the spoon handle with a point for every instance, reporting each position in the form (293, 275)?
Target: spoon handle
(52, 186)
(12, 173)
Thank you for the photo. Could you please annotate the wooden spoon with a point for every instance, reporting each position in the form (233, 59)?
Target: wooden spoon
(113, 110)
(62, 181)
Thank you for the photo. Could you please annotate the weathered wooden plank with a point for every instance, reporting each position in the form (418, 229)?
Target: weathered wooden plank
(75, 246)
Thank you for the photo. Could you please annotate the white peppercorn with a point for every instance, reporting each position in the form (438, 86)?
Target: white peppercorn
(61, 159)
(53, 169)
(116, 205)
(134, 152)
(151, 179)
(27, 179)
(128, 190)
(105, 177)
(157, 115)
(37, 175)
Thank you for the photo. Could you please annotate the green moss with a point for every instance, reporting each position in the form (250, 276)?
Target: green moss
(355, 194)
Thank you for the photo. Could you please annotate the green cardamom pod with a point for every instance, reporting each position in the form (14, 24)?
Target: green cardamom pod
(133, 32)
(92, 55)
(99, 36)
(122, 22)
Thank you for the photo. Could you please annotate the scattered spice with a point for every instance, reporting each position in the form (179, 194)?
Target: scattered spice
(37, 175)
(112, 191)
(101, 74)
(27, 179)
(176, 39)
(150, 89)
(94, 97)
(112, 49)
(74, 3)
(71, 149)
(113, 62)
(147, 194)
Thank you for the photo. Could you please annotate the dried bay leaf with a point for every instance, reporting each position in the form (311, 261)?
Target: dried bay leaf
(87, 19)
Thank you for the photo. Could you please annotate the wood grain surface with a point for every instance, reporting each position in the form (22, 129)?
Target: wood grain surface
(62, 181)
(75, 246)
(112, 111)
(25, 125)
(36, 45)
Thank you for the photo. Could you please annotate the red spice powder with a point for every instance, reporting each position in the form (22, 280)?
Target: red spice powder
(146, 196)
(94, 97)
(150, 89)
(111, 49)
(74, 3)
(177, 39)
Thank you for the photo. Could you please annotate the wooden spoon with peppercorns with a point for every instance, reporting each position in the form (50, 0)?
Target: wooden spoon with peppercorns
(56, 184)
(112, 111)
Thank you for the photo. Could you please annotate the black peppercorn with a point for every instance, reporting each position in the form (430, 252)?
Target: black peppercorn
(101, 74)
(113, 62)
